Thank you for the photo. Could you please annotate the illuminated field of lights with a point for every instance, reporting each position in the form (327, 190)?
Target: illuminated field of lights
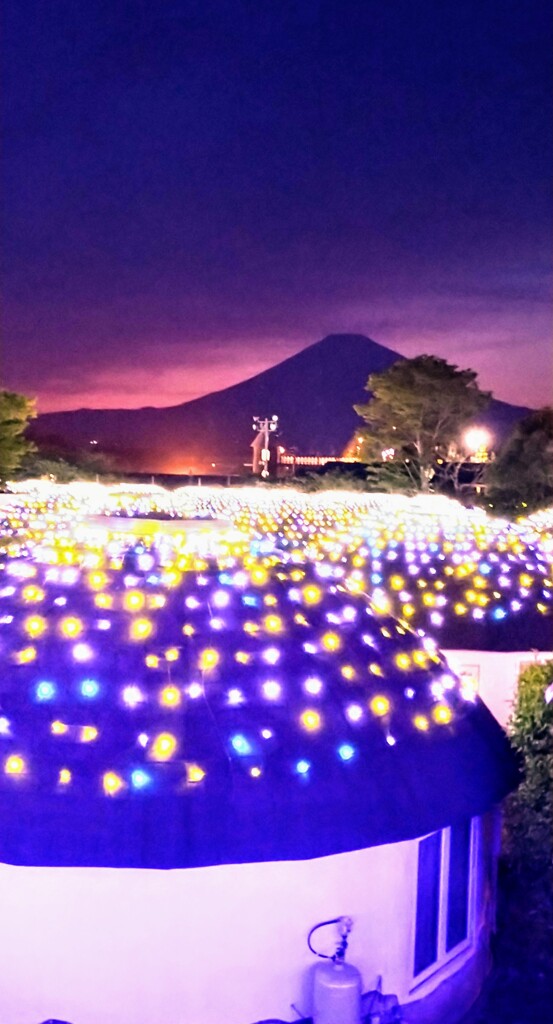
(270, 608)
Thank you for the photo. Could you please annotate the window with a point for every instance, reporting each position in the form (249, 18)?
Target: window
(443, 912)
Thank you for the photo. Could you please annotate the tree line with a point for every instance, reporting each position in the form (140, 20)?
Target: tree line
(413, 439)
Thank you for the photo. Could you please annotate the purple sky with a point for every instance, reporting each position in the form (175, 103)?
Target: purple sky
(194, 191)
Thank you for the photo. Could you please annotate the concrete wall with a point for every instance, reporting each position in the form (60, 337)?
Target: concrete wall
(496, 674)
(217, 945)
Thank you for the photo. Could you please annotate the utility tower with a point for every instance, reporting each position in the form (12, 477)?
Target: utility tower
(264, 427)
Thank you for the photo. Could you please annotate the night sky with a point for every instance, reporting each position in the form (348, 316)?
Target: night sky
(195, 190)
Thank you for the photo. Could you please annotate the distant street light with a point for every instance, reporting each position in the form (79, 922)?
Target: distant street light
(477, 443)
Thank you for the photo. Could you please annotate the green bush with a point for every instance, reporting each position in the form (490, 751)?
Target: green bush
(528, 822)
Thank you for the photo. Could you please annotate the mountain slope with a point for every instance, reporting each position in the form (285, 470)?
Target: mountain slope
(312, 393)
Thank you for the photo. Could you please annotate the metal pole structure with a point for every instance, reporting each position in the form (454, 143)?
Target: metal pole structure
(264, 427)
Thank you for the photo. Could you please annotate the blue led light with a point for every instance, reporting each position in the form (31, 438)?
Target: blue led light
(484, 569)
(140, 779)
(225, 579)
(302, 767)
(250, 601)
(376, 578)
(240, 744)
(89, 688)
(499, 613)
(45, 690)
(346, 751)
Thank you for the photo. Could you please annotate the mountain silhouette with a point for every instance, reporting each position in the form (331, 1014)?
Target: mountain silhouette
(312, 393)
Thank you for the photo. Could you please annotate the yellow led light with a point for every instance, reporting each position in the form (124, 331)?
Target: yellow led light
(242, 657)
(442, 714)
(15, 765)
(88, 733)
(35, 625)
(259, 576)
(24, 656)
(251, 627)
(163, 747)
(255, 772)
(375, 669)
(157, 601)
(97, 580)
(71, 627)
(194, 773)
(348, 672)
(64, 777)
(311, 594)
(188, 629)
(172, 654)
(151, 661)
(331, 642)
(300, 619)
(112, 783)
(421, 723)
(270, 600)
(420, 658)
(402, 660)
(525, 580)
(397, 582)
(140, 629)
(209, 658)
(460, 608)
(170, 697)
(133, 601)
(32, 593)
(379, 705)
(311, 720)
(273, 623)
(58, 728)
(103, 601)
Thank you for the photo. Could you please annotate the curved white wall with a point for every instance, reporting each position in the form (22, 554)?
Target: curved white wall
(217, 945)
(498, 673)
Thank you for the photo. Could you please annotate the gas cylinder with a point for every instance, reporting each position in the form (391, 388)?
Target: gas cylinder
(336, 993)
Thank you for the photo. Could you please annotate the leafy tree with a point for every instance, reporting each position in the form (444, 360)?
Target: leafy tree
(520, 480)
(45, 462)
(15, 413)
(418, 409)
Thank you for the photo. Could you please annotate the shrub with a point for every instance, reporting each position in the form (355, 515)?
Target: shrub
(528, 821)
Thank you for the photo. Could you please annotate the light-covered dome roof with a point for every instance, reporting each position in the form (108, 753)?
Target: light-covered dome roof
(158, 718)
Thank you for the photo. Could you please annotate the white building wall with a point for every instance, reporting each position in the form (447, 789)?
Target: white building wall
(495, 674)
(216, 945)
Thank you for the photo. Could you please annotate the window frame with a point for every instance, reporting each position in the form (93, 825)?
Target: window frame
(445, 957)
